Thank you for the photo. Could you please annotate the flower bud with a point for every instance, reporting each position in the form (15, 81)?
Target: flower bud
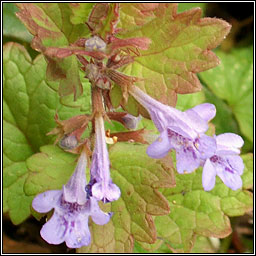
(95, 43)
(68, 142)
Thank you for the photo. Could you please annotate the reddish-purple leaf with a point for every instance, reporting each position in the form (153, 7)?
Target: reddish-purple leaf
(180, 47)
(50, 24)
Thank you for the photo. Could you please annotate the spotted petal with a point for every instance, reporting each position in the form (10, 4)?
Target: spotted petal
(206, 145)
(236, 163)
(54, 230)
(232, 180)
(186, 160)
(78, 233)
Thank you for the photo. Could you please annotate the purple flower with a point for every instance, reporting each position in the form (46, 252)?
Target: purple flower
(72, 209)
(102, 187)
(226, 163)
(181, 131)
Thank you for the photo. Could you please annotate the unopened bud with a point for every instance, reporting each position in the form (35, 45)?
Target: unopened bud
(95, 43)
(130, 121)
(68, 142)
(92, 72)
(103, 83)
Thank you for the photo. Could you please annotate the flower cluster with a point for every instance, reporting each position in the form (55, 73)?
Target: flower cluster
(72, 208)
(185, 133)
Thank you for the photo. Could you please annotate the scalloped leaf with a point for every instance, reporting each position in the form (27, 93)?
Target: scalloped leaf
(29, 106)
(50, 24)
(197, 212)
(80, 12)
(232, 81)
(135, 15)
(48, 170)
(138, 177)
(181, 44)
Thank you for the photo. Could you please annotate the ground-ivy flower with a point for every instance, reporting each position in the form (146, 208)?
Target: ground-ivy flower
(101, 184)
(72, 208)
(226, 163)
(182, 131)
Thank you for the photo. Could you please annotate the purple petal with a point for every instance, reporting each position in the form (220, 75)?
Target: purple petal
(159, 120)
(46, 201)
(232, 180)
(54, 230)
(160, 147)
(74, 190)
(186, 160)
(97, 215)
(97, 191)
(208, 176)
(195, 121)
(206, 145)
(236, 162)
(113, 192)
(229, 142)
(206, 111)
(78, 234)
(185, 132)
(109, 191)
(100, 172)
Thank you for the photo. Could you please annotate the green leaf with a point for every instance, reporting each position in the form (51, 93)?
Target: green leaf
(134, 15)
(28, 96)
(187, 101)
(158, 247)
(181, 44)
(50, 24)
(204, 245)
(29, 106)
(16, 150)
(12, 27)
(81, 12)
(186, 6)
(224, 120)
(138, 177)
(232, 81)
(48, 170)
(197, 212)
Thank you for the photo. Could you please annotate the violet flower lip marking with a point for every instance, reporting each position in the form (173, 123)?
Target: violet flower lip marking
(226, 163)
(181, 131)
(102, 187)
(72, 209)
